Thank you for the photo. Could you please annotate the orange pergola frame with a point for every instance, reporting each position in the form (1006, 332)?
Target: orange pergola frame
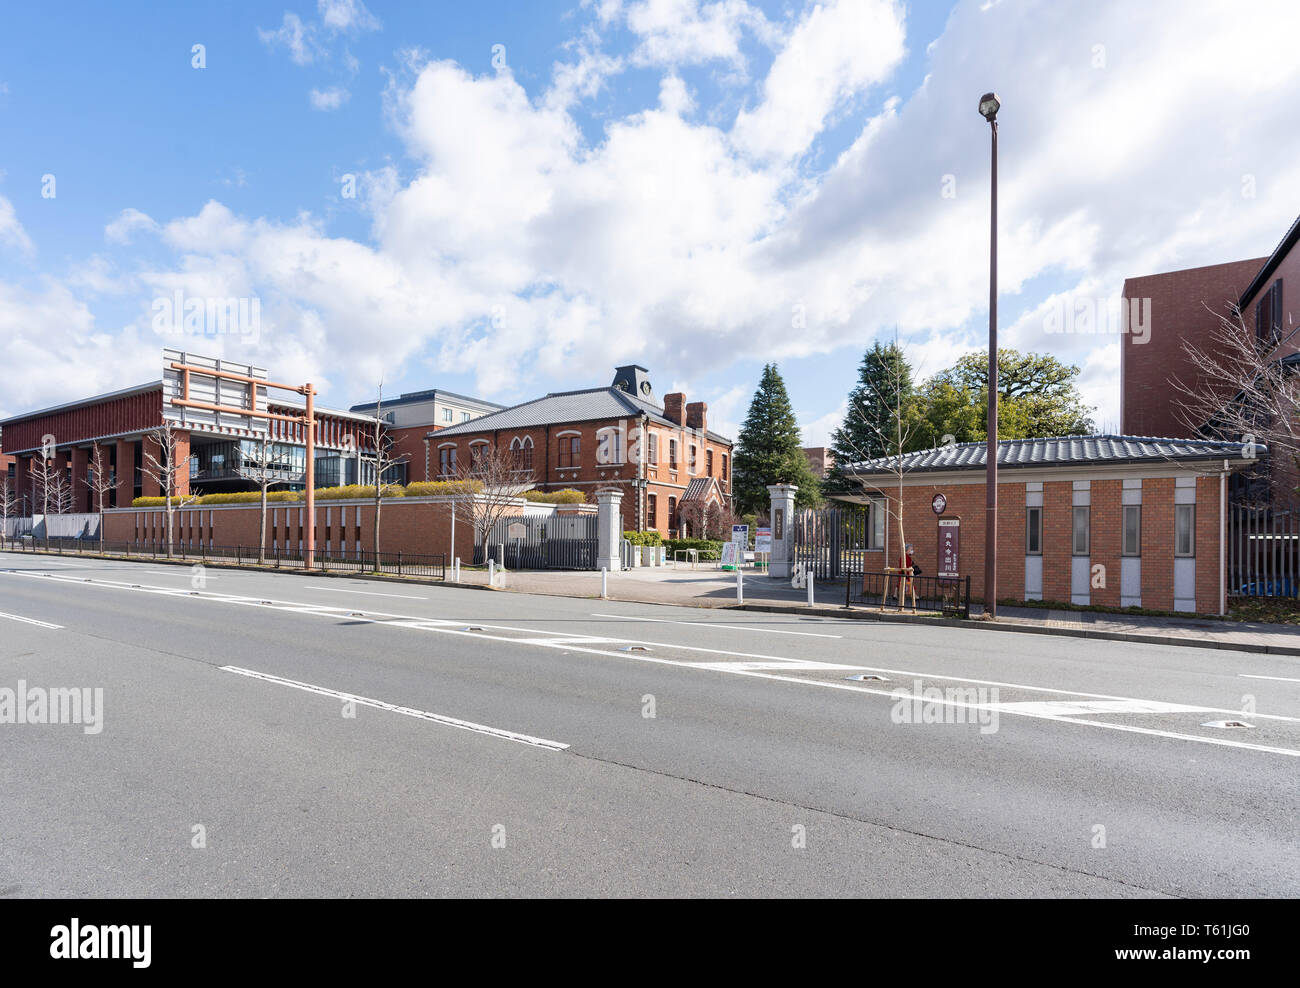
(308, 420)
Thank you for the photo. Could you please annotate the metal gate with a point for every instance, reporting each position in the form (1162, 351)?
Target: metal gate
(824, 538)
(1263, 551)
(554, 542)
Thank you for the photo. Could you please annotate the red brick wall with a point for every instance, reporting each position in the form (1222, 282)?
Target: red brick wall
(1107, 523)
(1207, 544)
(1178, 314)
(1058, 555)
(1158, 544)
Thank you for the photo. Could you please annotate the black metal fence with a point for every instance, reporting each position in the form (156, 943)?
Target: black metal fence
(825, 538)
(551, 542)
(946, 595)
(399, 563)
(1263, 551)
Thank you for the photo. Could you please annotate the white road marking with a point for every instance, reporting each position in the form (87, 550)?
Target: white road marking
(365, 701)
(27, 620)
(1280, 679)
(732, 668)
(709, 624)
(789, 665)
(1066, 708)
(368, 593)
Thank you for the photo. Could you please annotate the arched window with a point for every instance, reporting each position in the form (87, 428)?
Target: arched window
(521, 453)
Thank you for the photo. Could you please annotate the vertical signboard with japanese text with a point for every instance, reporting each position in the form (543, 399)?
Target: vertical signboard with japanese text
(949, 546)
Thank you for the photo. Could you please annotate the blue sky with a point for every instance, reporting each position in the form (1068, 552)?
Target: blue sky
(696, 186)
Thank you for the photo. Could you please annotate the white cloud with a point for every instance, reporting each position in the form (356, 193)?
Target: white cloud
(297, 37)
(683, 32)
(125, 225)
(510, 241)
(11, 231)
(329, 99)
(346, 15)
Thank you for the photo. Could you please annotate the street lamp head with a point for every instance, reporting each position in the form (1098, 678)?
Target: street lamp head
(989, 105)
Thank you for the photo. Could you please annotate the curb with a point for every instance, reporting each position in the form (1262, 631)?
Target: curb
(1025, 629)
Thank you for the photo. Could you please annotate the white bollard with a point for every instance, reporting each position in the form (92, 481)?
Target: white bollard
(740, 586)
(810, 590)
(604, 583)
(455, 571)
(492, 572)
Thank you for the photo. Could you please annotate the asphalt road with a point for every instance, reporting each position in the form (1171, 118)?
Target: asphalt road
(339, 737)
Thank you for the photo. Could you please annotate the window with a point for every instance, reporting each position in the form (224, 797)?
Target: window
(1132, 530)
(652, 449)
(652, 511)
(570, 451)
(477, 453)
(1081, 530)
(609, 449)
(672, 454)
(464, 416)
(724, 466)
(447, 461)
(448, 415)
(1034, 531)
(672, 514)
(708, 462)
(1184, 529)
(878, 516)
(1268, 314)
(521, 453)
(691, 463)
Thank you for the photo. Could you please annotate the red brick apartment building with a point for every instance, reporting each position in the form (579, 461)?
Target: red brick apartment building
(663, 457)
(1185, 308)
(1119, 521)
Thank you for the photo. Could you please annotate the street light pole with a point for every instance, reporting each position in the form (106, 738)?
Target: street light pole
(989, 105)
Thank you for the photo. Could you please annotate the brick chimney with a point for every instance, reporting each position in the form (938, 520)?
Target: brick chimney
(697, 415)
(673, 406)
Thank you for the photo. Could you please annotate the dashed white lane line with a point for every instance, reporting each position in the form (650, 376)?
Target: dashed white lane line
(27, 620)
(1280, 679)
(733, 668)
(762, 628)
(365, 701)
(368, 593)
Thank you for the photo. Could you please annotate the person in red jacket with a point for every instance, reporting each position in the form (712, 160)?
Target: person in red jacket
(907, 569)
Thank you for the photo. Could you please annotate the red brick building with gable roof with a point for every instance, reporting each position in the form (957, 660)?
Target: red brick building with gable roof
(616, 437)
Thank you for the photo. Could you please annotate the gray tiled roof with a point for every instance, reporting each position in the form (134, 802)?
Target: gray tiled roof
(1057, 451)
(563, 407)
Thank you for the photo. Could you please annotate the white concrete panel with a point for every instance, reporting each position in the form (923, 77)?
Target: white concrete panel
(1033, 578)
(1185, 583)
(1130, 581)
(1080, 571)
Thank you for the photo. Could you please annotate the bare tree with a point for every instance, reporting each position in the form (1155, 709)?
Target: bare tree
(8, 506)
(384, 463)
(494, 479)
(259, 470)
(100, 483)
(162, 469)
(1244, 387)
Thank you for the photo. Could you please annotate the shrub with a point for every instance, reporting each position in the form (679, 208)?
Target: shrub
(352, 492)
(644, 538)
(708, 548)
(566, 496)
(149, 502)
(440, 488)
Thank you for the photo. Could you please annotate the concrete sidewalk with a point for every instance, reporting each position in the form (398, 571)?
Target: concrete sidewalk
(717, 588)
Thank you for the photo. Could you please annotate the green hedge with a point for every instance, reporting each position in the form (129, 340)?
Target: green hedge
(566, 496)
(441, 488)
(708, 548)
(644, 538)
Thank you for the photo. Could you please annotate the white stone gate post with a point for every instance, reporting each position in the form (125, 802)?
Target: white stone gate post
(609, 527)
(781, 563)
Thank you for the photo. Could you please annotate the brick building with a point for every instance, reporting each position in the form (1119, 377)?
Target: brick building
(119, 425)
(1185, 307)
(616, 437)
(410, 417)
(1120, 521)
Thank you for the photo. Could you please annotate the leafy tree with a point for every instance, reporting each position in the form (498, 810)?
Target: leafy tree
(870, 423)
(769, 449)
(1037, 396)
